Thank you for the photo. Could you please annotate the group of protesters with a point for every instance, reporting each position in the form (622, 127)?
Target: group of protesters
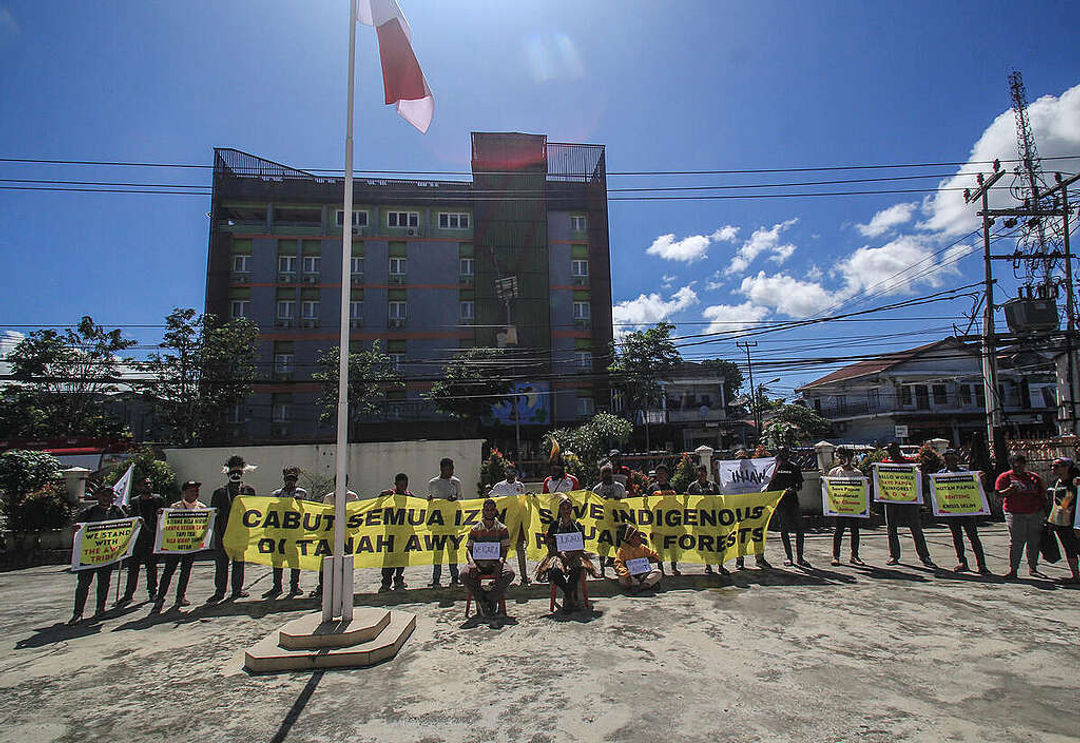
(1030, 508)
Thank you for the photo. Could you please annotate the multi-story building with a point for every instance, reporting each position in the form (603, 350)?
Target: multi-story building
(517, 258)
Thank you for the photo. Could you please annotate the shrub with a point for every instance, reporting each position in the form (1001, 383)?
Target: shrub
(161, 473)
(493, 469)
(32, 497)
(41, 509)
(684, 474)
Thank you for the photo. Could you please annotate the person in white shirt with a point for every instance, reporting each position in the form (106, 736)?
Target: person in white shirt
(559, 481)
(513, 486)
(189, 499)
(609, 488)
(448, 487)
(330, 499)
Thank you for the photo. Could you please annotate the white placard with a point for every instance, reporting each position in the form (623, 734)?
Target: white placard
(486, 550)
(638, 566)
(735, 476)
(571, 541)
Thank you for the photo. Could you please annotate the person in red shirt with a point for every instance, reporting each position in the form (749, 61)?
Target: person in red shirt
(1024, 496)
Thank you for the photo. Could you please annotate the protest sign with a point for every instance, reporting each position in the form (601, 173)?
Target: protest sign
(638, 566)
(897, 483)
(845, 496)
(957, 494)
(183, 530)
(486, 551)
(571, 541)
(735, 476)
(101, 543)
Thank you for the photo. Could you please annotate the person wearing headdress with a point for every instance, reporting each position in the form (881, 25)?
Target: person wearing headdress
(559, 481)
(222, 499)
(103, 511)
(632, 547)
(564, 568)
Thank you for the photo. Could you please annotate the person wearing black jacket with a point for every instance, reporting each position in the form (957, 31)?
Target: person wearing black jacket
(788, 477)
(146, 505)
(222, 499)
(103, 511)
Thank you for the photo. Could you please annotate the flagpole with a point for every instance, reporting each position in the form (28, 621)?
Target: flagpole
(340, 586)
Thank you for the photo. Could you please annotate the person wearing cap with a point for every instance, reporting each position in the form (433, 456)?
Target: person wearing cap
(290, 476)
(1024, 497)
(103, 511)
(910, 514)
(960, 525)
(788, 478)
(845, 469)
(146, 504)
(632, 547)
(222, 499)
(511, 485)
(189, 499)
(1063, 510)
(396, 576)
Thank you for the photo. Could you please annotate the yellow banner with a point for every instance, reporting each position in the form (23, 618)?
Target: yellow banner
(957, 494)
(388, 531)
(183, 530)
(690, 528)
(101, 543)
(897, 483)
(845, 496)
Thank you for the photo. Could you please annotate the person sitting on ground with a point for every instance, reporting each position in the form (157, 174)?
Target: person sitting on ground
(395, 575)
(1063, 500)
(103, 511)
(564, 568)
(845, 468)
(559, 481)
(290, 476)
(899, 514)
(489, 531)
(959, 525)
(631, 549)
(702, 485)
(511, 485)
(189, 499)
(787, 477)
(1024, 496)
(661, 486)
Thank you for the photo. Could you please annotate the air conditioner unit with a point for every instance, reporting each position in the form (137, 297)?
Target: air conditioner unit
(356, 322)
(396, 278)
(396, 322)
(468, 278)
(356, 230)
(411, 231)
(284, 322)
(310, 322)
(286, 278)
(311, 278)
(581, 281)
(280, 430)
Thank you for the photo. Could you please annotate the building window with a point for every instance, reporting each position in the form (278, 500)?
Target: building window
(397, 310)
(310, 309)
(585, 406)
(467, 311)
(467, 266)
(311, 264)
(396, 360)
(922, 397)
(359, 218)
(285, 309)
(286, 264)
(398, 266)
(905, 396)
(583, 359)
(582, 311)
(238, 308)
(356, 265)
(283, 363)
(240, 263)
(579, 269)
(453, 221)
(403, 219)
(941, 395)
(873, 399)
(577, 223)
(281, 412)
(356, 310)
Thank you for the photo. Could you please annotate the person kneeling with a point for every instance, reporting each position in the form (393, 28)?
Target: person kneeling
(566, 556)
(633, 561)
(489, 543)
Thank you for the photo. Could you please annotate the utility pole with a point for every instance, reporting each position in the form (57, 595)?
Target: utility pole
(753, 390)
(995, 436)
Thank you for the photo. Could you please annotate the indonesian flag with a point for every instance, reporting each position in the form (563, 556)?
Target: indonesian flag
(403, 80)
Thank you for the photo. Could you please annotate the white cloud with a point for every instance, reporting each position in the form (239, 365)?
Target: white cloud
(761, 241)
(651, 308)
(728, 318)
(715, 281)
(894, 268)
(814, 273)
(887, 219)
(692, 247)
(1056, 124)
(667, 280)
(787, 295)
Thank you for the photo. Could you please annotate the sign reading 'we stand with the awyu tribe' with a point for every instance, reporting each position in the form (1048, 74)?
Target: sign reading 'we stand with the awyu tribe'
(101, 543)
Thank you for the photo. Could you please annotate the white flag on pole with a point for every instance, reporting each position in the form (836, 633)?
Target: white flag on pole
(122, 488)
(403, 80)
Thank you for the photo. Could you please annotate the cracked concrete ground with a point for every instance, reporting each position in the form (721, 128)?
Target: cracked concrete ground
(827, 654)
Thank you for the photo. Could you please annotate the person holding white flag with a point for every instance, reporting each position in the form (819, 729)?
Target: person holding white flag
(146, 505)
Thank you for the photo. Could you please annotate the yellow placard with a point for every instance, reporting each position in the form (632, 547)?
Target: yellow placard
(845, 496)
(101, 543)
(183, 530)
(957, 494)
(897, 483)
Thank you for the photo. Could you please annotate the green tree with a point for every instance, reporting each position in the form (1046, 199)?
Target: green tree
(205, 369)
(684, 474)
(371, 376)
(66, 375)
(642, 359)
(789, 424)
(592, 440)
(32, 497)
(472, 383)
(729, 370)
(148, 465)
(22, 415)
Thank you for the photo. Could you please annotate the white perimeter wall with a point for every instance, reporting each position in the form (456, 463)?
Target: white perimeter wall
(372, 466)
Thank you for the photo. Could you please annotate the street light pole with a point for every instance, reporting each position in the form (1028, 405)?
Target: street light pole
(747, 345)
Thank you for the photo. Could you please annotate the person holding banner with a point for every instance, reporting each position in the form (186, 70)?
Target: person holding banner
(449, 487)
(1063, 512)
(487, 548)
(845, 469)
(329, 499)
(103, 511)
(189, 500)
(702, 485)
(660, 487)
(513, 486)
(1024, 496)
(566, 555)
(146, 505)
(222, 499)
(788, 478)
(289, 489)
(897, 514)
(960, 525)
(609, 488)
(559, 481)
(395, 575)
(634, 560)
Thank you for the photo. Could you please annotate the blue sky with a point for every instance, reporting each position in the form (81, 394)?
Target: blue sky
(665, 86)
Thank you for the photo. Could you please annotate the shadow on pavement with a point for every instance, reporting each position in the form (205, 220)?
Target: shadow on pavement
(298, 707)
